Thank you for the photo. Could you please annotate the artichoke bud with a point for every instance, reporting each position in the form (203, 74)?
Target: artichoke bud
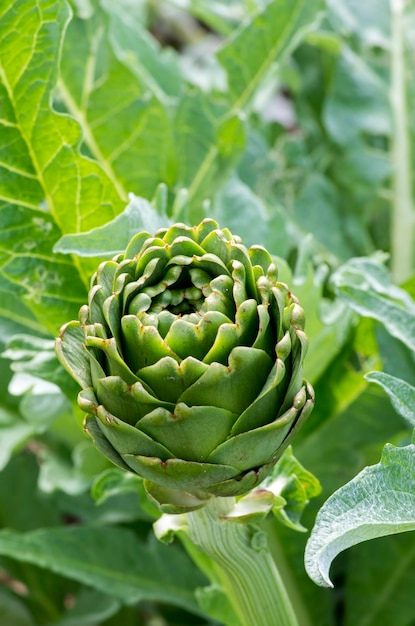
(189, 354)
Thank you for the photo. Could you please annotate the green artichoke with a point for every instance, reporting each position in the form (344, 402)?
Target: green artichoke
(189, 354)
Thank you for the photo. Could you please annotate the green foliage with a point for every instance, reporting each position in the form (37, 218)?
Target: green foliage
(111, 560)
(379, 501)
(288, 123)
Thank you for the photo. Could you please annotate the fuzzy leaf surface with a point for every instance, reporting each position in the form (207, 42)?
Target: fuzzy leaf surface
(377, 502)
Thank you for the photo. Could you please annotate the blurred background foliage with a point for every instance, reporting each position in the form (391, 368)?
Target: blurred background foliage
(291, 124)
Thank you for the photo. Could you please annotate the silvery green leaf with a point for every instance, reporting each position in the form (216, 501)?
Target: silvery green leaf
(401, 393)
(365, 284)
(377, 502)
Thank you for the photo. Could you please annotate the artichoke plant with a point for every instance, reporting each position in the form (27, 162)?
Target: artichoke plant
(189, 354)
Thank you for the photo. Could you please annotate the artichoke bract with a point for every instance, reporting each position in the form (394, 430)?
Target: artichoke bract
(189, 354)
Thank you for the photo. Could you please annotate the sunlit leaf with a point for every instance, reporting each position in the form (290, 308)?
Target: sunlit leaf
(113, 237)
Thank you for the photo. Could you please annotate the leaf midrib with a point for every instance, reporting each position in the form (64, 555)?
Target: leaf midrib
(239, 104)
(31, 554)
(89, 138)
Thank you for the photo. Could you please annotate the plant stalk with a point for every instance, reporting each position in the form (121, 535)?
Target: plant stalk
(243, 566)
(403, 210)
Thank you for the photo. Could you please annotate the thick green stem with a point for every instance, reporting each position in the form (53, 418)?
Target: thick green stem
(403, 214)
(245, 570)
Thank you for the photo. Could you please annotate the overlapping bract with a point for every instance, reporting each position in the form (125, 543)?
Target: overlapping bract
(189, 354)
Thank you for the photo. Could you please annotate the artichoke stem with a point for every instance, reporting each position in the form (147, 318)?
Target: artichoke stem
(245, 572)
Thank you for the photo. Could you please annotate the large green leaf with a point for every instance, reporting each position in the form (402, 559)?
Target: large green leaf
(247, 57)
(368, 21)
(328, 323)
(155, 67)
(316, 211)
(366, 286)
(346, 431)
(379, 501)
(246, 214)
(114, 237)
(111, 560)
(256, 46)
(46, 185)
(401, 394)
(41, 164)
(357, 101)
(38, 290)
(116, 83)
(205, 157)
(15, 316)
